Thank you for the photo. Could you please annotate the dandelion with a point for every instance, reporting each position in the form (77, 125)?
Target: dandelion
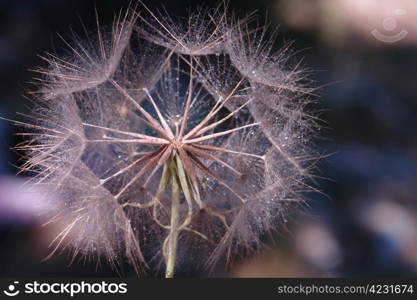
(170, 138)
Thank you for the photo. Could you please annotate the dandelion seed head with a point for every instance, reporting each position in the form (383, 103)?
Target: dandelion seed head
(207, 94)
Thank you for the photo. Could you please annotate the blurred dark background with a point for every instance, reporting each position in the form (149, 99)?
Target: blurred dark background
(364, 57)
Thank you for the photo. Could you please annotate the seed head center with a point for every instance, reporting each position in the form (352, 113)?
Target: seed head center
(177, 143)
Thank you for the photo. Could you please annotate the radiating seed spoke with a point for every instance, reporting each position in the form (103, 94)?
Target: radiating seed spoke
(133, 134)
(216, 108)
(151, 160)
(218, 134)
(154, 123)
(131, 141)
(209, 156)
(188, 102)
(215, 124)
(135, 163)
(224, 150)
(158, 112)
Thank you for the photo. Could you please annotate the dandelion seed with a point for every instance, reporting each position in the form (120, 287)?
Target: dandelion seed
(170, 136)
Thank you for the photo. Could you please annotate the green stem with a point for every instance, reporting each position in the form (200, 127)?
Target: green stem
(174, 228)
